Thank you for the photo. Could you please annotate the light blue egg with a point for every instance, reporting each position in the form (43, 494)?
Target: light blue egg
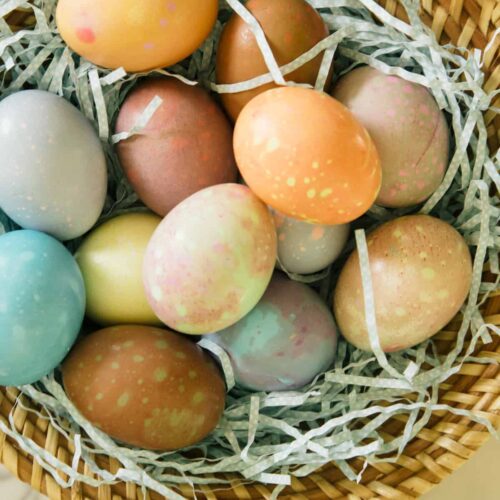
(42, 304)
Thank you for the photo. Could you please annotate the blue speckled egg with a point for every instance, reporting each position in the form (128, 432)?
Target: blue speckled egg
(285, 341)
(42, 304)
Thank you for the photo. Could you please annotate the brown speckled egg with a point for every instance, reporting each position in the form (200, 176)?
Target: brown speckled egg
(421, 270)
(186, 146)
(408, 129)
(292, 27)
(145, 386)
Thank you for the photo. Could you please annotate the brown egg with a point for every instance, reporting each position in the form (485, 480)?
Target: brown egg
(421, 271)
(292, 27)
(145, 386)
(185, 147)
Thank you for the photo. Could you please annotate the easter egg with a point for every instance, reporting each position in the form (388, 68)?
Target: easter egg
(421, 272)
(137, 36)
(292, 27)
(145, 386)
(284, 342)
(54, 177)
(111, 259)
(304, 154)
(210, 260)
(408, 129)
(305, 248)
(42, 303)
(185, 147)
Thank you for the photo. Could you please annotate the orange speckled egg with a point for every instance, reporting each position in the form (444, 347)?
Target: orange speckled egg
(292, 27)
(137, 36)
(145, 386)
(304, 154)
(421, 271)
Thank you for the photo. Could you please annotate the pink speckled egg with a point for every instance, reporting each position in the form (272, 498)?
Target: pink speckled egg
(185, 147)
(408, 129)
(284, 342)
(421, 271)
(210, 260)
(305, 248)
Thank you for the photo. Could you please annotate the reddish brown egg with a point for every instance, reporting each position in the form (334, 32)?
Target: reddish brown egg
(145, 386)
(292, 27)
(421, 271)
(185, 147)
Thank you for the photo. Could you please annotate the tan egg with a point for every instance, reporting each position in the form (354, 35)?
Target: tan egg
(305, 248)
(145, 386)
(421, 271)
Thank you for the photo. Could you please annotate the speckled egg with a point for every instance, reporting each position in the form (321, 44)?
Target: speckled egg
(54, 177)
(284, 342)
(137, 36)
(305, 248)
(185, 147)
(304, 154)
(421, 271)
(144, 386)
(42, 303)
(292, 27)
(210, 260)
(408, 129)
(111, 259)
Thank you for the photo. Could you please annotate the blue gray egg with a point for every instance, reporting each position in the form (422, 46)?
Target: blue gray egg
(42, 304)
(53, 175)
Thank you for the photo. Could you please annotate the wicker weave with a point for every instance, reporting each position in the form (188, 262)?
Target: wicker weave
(447, 441)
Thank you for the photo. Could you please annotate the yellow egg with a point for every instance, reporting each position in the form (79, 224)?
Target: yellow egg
(135, 35)
(110, 259)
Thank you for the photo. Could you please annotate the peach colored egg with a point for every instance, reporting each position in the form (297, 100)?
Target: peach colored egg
(185, 147)
(210, 260)
(145, 386)
(421, 271)
(305, 248)
(304, 154)
(408, 129)
(135, 35)
(292, 27)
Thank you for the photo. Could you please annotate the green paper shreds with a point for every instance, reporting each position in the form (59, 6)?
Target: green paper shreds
(340, 415)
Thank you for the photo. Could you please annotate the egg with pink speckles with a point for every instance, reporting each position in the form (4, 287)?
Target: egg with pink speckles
(421, 271)
(408, 129)
(285, 341)
(305, 248)
(210, 260)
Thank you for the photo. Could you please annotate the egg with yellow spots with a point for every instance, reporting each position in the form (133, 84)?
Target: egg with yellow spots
(145, 386)
(305, 248)
(137, 36)
(421, 271)
(111, 259)
(304, 154)
(210, 260)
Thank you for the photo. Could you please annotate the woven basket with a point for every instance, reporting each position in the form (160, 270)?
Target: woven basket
(440, 448)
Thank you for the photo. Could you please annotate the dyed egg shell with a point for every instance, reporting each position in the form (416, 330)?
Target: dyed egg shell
(284, 342)
(304, 154)
(408, 129)
(185, 147)
(145, 386)
(292, 27)
(210, 260)
(111, 259)
(137, 36)
(42, 304)
(54, 178)
(305, 248)
(421, 271)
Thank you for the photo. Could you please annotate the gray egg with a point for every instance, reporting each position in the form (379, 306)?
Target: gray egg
(53, 175)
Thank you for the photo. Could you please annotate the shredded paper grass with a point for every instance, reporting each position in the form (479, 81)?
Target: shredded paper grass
(268, 437)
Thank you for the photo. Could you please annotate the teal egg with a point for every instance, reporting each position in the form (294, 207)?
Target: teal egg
(42, 304)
